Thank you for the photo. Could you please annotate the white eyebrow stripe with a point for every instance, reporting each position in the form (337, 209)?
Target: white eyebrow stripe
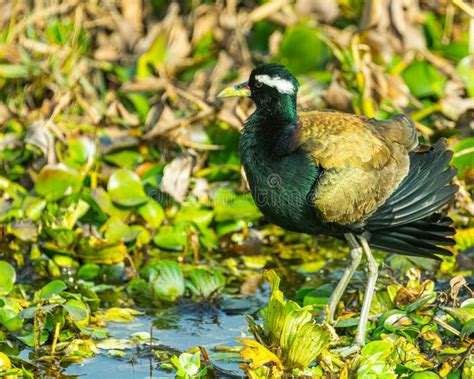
(281, 85)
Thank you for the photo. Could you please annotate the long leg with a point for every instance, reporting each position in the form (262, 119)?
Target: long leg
(359, 340)
(355, 257)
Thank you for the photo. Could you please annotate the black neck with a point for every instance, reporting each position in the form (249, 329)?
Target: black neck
(280, 110)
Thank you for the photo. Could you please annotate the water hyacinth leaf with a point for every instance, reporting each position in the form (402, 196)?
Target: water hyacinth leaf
(127, 159)
(56, 181)
(423, 79)
(89, 271)
(115, 344)
(206, 283)
(125, 188)
(193, 213)
(172, 237)
(33, 207)
(153, 213)
(167, 281)
(9, 315)
(118, 314)
(76, 309)
(116, 230)
(102, 198)
(378, 350)
(29, 339)
(101, 252)
(308, 344)
(294, 320)
(7, 277)
(140, 291)
(81, 347)
(113, 273)
(80, 151)
(74, 212)
(116, 353)
(229, 206)
(51, 289)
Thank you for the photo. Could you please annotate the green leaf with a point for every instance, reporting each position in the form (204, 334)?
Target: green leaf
(76, 309)
(52, 288)
(193, 213)
(423, 79)
(206, 283)
(128, 159)
(463, 157)
(118, 314)
(424, 375)
(126, 189)
(89, 271)
(229, 206)
(80, 151)
(56, 181)
(29, 339)
(101, 252)
(302, 50)
(171, 237)
(152, 212)
(465, 69)
(7, 277)
(9, 315)
(167, 281)
(378, 350)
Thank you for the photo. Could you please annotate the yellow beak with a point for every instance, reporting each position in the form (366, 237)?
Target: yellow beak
(241, 89)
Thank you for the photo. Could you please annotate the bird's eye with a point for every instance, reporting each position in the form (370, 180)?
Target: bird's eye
(258, 84)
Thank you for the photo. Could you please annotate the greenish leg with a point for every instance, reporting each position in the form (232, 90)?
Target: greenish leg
(359, 340)
(355, 257)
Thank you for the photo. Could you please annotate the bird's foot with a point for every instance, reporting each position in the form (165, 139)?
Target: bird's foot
(348, 350)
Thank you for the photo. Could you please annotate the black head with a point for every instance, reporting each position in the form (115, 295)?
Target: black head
(273, 89)
(271, 81)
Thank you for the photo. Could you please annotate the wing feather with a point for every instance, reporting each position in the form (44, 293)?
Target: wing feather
(364, 161)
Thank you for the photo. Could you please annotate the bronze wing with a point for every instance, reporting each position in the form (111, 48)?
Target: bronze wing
(364, 160)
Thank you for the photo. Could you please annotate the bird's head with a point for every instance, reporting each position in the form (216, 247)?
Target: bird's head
(270, 86)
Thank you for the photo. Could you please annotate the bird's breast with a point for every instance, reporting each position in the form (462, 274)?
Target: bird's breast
(281, 186)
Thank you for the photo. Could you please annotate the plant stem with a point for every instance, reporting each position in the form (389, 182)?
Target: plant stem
(55, 338)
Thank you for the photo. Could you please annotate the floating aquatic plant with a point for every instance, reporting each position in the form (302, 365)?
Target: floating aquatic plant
(288, 338)
(167, 280)
(206, 283)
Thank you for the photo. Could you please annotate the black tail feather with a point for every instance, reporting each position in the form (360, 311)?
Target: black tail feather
(406, 223)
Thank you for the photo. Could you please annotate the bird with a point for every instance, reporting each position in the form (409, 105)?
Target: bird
(324, 172)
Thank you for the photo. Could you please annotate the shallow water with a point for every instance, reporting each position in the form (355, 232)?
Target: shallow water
(181, 327)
